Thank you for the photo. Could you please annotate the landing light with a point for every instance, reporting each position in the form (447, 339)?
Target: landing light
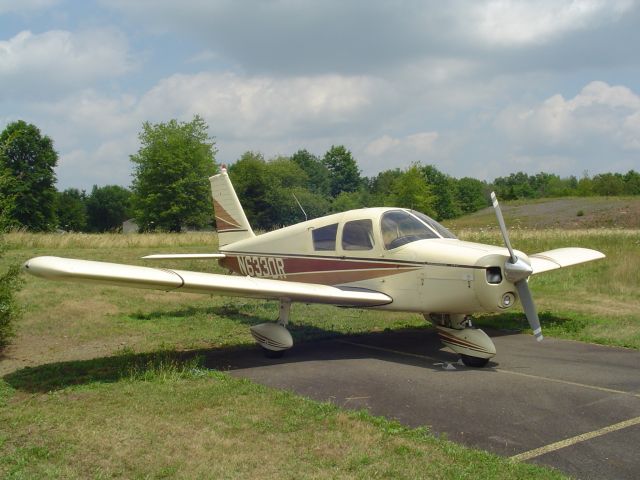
(507, 300)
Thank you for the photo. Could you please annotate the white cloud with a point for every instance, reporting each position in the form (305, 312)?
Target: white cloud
(258, 107)
(601, 111)
(39, 65)
(509, 22)
(387, 152)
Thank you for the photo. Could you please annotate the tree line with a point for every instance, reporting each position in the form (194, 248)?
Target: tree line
(170, 188)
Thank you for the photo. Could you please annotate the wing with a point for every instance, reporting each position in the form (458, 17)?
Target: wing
(183, 256)
(56, 268)
(562, 257)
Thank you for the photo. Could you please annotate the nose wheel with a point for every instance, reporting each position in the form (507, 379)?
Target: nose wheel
(474, 362)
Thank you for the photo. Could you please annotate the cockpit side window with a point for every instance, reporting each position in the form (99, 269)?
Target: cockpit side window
(324, 238)
(357, 235)
(400, 227)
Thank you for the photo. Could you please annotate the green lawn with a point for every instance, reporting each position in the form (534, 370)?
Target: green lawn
(105, 382)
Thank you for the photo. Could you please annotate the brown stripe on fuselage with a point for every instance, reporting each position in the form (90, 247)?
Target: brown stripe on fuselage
(224, 221)
(325, 271)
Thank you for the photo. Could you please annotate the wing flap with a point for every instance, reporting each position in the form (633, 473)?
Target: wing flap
(562, 257)
(57, 268)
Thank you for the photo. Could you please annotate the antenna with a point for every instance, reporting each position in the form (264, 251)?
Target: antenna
(298, 202)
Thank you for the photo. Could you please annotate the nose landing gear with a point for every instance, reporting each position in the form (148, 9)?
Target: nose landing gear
(456, 332)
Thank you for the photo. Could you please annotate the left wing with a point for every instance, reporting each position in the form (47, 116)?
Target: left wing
(562, 257)
(57, 268)
(183, 256)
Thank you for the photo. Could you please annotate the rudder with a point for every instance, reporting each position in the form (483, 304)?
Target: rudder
(231, 221)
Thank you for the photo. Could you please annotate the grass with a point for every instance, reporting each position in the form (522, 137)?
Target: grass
(105, 382)
(159, 416)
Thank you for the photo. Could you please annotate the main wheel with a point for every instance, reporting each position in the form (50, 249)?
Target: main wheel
(475, 362)
(272, 353)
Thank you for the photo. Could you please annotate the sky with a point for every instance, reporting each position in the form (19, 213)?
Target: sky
(479, 88)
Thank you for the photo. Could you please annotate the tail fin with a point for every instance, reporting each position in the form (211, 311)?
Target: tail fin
(232, 223)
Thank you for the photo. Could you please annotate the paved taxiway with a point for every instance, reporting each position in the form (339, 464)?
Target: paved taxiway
(570, 405)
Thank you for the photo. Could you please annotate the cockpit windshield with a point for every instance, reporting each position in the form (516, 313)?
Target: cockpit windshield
(442, 231)
(400, 227)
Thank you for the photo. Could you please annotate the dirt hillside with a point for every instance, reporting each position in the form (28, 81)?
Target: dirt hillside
(570, 213)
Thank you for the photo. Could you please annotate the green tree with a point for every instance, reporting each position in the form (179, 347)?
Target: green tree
(632, 183)
(472, 195)
(251, 183)
(107, 208)
(607, 184)
(381, 187)
(27, 179)
(10, 283)
(319, 181)
(170, 186)
(444, 188)
(409, 190)
(343, 170)
(71, 210)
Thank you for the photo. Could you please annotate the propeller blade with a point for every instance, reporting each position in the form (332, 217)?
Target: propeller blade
(529, 308)
(518, 271)
(503, 227)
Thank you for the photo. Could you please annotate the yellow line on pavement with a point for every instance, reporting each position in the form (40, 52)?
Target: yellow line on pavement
(567, 382)
(552, 447)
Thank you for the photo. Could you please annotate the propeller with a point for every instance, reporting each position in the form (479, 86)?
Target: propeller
(518, 271)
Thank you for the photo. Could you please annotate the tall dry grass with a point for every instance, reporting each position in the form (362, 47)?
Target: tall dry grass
(23, 240)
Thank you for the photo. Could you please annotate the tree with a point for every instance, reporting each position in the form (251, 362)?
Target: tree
(250, 181)
(381, 186)
(107, 208)
(409, 190)
(71, 210)
(319, 181)
(10, 283)
(471, 194)
(632, 183)
(170, 185)
(27, 179)
(608, 184)
(444, 188)
(343, 169)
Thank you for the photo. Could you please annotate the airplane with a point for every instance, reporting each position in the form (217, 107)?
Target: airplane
(385, 258)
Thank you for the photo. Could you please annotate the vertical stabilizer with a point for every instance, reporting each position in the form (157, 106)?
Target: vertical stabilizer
(231, 222)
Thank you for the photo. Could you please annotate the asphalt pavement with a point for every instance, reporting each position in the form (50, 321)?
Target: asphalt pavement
(570, 405)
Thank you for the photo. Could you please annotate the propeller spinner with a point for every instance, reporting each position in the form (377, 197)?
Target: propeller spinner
(518, 271)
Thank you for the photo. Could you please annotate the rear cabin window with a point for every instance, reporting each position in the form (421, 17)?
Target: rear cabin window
(324, 238)
(357, 235)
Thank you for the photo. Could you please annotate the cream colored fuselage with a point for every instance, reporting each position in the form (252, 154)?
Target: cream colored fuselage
(439, 275)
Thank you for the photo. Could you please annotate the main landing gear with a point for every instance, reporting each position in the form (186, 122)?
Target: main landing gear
(473, 345)
(274, 338)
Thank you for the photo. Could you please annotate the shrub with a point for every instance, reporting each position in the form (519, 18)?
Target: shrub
(10, 283)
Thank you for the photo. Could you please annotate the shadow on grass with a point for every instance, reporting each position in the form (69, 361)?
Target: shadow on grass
(228, 311)
(515, 322)
(422, 347)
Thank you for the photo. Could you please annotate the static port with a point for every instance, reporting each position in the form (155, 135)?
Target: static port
(494, 275)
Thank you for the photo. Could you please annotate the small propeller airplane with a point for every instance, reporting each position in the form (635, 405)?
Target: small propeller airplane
(380, 258)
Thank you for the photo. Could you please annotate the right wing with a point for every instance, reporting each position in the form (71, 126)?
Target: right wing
(57, 268)
(562, 257)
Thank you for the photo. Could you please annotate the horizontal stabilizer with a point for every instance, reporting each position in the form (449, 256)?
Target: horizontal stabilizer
(562, 257)
(183, 256)
(57, 268)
